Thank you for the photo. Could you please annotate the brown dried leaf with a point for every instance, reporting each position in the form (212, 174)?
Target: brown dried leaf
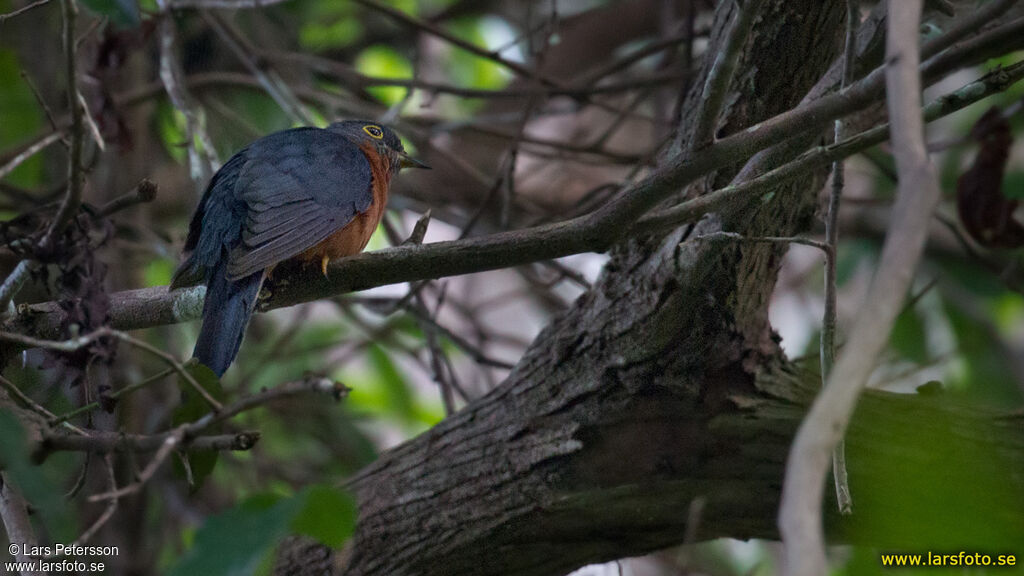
(985, 212)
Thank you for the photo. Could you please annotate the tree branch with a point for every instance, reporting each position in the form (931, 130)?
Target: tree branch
(720, 75)
(148, 307)
(800, 515)
(14, 513)
(106, 442)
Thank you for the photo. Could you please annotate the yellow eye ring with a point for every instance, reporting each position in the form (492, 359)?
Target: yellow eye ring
(374, 131)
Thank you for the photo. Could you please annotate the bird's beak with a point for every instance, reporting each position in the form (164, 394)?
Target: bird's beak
(406, 161)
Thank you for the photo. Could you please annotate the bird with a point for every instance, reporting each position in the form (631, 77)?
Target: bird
(306, 195)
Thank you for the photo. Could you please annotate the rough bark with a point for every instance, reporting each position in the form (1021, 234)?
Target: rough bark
(541, 478)
(662, 384)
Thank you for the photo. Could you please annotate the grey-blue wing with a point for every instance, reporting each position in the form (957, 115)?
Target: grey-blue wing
(299, 187)
(215, 225)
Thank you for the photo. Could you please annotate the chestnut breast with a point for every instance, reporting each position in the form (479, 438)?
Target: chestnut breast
(353, 237)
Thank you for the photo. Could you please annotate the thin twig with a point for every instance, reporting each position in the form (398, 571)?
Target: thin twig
(272, 84)
(40, 100)
(73, 200)
(800, 518)
(106, 442)
(969, 24)
(668, 218)
(716, 86)
(74, 344)
(227, 4)
(144, 191)
(17, 524)
(202, 166)
(156, 306)
(170, 442)
(437, 357)
(735, 237)
(828, 324)
(23, 399)
(108, 512)
(22, 10)
(356, 79)
(112, 396)
(312, 384)
(452, 39)
(28, 152)
(12, 284)
(493, 56)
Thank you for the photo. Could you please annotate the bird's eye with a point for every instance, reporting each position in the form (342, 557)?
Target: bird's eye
(374, 131)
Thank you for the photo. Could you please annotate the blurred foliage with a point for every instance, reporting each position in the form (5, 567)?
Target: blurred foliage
(20, 117)
(238, 542)
(939, 493)
(35, 485)
(963, 334)
(384, 62)
(192, 408)
(122, 13)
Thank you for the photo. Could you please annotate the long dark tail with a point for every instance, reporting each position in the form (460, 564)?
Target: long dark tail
(226, 313)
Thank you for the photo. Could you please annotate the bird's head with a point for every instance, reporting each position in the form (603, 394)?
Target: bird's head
(379, 138)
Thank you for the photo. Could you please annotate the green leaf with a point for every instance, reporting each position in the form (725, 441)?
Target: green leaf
(22, 118)
(170, 124)
(941, 491)
(973, 277)
(158, 272)
(471, 70)
(384, 62)
(235, 542)
(396, 389)
(340, 33)
(1013, 185)
(908, 337)
(192, 408)
(329, 515)
(983, 369)
(30, 480)
(123, 13)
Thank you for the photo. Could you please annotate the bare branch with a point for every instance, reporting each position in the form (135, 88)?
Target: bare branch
(337, 390)
(690, 210)
(73, 199)
(963, 28)
(28, 152)
(828, 323)
(134, 309)
(14, 513)
(106, 442)
(225, 4)
(110, 397)
(74, 344)
(277, 89)
(168, 443)
(22, 10)
(144, 191)
(735, 237)
(720, 75)
(823, 428)
(202, 165)
(108, 512)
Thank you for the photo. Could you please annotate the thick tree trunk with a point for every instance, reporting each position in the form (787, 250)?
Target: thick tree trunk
(662, 384)
(546, 476)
